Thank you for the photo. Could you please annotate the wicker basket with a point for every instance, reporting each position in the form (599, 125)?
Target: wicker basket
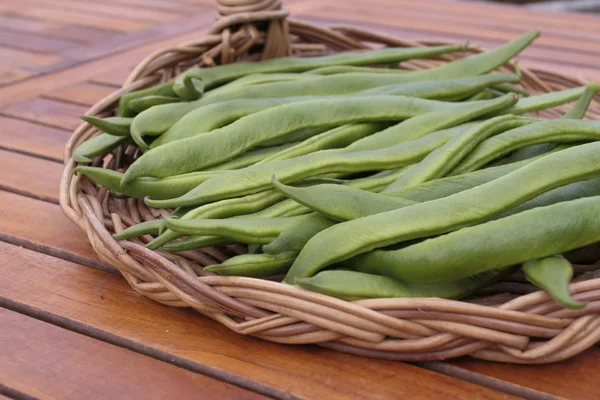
(510, 322)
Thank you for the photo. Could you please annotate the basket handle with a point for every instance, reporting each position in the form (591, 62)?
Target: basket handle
(245, 23)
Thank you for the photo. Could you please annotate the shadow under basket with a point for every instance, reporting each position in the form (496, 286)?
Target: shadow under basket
(510, 321)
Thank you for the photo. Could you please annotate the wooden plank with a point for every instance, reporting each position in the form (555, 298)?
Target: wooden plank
(35, 86)
(114, 78)
(112, 10)
(85, 93)
(571, 379)
(42, 223)
(39, 357)
(52, 112)
(31, 42)
(102, 301)
(10, 57)
(173, 6)
(32, 138)
(71, 17)
(551, 49)
(36, 177)
(13, 75)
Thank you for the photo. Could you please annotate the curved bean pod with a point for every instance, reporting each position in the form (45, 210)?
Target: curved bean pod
(553, 274)
(447, 214)
(163, 89)
(254, 265)
(344, 69)
(491, 245)
(223, 144)
(245, 230)
(186, 85)
(442, 160)
(116, 126)
(293, 238)
(352, 285)
(557, 131)
(146, 102)
(99, 145)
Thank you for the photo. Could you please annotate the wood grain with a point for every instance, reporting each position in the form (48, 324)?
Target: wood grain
(114, 78)
(37, 43)
(42, 223)
(52, 112)
(32, 176)
(105, 302)
(36, 354)
(29, 137)
(85, 93)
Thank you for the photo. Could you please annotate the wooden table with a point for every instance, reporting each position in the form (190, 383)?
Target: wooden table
(71, 328)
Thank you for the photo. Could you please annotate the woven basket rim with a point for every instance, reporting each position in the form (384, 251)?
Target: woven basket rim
(427, 328)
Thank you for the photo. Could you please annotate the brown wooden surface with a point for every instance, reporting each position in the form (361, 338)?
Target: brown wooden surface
(110, 371)
(71, 316)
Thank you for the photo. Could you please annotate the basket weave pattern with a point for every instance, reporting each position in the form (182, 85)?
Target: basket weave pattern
(510, 322)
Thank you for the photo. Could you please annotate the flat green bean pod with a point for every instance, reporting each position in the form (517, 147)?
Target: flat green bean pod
(140, 188)
(257, 178)
(163, 89)
(97, 146)
(532, 234)
(187, 85)
(439, 216)
(294, 237)
(214, 116)
(219, 145)
(259, 79)
(254, 265)
(344, 69)
(116, 126)
(352, 285)
(247, 230)
(441, 161)
(330, 139)
(265, 204)
(143, 103)
(557, 131)
(553, 274)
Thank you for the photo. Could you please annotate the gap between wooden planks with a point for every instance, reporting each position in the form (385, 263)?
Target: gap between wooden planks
(87, 70)
(45, 361)
(100, 305)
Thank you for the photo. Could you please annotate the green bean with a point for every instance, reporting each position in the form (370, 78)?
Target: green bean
(97, 146)
(116, 126)
(250, 158)
(553, 274)
(186, 85)
(146, 102)
(198, 243)
(447, 214)
(330, 139)
(446, 89)
(259, 79)
(542, 101)
(222, 209)
(266, 202)
(219, 145)
(485, 94)
(258, 177)
(344, 69)
(504, 88)
(352, 285)
(420, 125)
(163, 89)
(140, 188)
(245, 230)
(293, 238)
(529, 235)
(213, 116)
(576, 112)
(254, 265)
(441, 161)
(153, 227)
(557, 131)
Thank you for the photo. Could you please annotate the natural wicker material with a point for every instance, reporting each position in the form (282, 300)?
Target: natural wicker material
(509, 327)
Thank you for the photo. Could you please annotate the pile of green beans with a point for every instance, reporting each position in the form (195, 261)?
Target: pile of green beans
(359, 181)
